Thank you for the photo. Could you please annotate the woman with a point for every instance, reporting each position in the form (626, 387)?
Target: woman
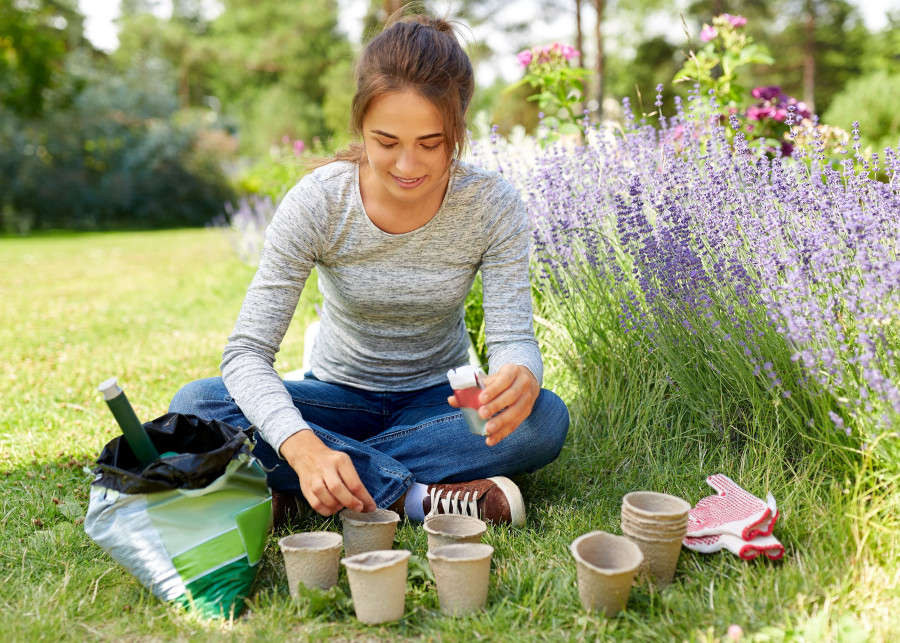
(398, 227)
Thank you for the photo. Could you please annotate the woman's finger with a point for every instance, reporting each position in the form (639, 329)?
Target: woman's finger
(507, 420)
(321, 499)
(504, 398)
(349, 489)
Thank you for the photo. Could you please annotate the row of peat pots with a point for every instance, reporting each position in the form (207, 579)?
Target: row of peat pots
(654, 525)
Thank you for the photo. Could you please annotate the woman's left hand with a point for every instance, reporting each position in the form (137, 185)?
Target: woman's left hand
(513, 390)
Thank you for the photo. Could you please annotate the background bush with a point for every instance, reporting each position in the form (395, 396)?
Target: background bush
(871, 100)
(113, 152)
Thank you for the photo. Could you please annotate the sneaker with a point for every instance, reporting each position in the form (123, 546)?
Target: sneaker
(497, 500)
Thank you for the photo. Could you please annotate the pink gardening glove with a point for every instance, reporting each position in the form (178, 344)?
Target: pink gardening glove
(767, 545)
(733, 511)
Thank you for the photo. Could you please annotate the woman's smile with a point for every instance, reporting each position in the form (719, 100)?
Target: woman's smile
(408, 184)
(408, 161)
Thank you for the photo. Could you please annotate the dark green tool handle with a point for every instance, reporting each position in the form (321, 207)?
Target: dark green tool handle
(132, 429)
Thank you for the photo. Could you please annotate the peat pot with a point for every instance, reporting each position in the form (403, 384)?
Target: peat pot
(453, 529)
(311, 559)
(378, 584)
(606, 565)
(462, 573)
(369, 531)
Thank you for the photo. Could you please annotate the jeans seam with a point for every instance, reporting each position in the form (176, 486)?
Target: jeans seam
(321, 405)
(390, 435)
(392, 472)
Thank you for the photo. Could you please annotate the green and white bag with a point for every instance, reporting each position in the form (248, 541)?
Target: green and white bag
(192, 525)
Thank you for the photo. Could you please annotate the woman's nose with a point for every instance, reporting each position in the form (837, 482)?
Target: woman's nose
(406, 161)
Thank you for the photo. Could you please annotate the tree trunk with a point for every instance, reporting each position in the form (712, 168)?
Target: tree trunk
(600, 5)
(579, 36)
(809, 57)
(718, 7)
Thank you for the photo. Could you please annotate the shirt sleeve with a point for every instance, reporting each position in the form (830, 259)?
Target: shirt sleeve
(509, 330)
(288, 256)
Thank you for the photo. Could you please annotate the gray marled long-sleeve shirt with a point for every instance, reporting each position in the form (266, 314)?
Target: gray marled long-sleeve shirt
(392, 318)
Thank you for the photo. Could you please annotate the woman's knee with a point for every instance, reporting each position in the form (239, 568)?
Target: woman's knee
(554, 416)
(548, 426)
(194, 396)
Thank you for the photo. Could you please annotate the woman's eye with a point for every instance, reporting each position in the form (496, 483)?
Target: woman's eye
(431, 148)
(386, 146)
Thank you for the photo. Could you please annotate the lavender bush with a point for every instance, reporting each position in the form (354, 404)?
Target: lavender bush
(245, 225)
(767, 290)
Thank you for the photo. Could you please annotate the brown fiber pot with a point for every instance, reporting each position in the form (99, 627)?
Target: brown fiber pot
(660, 556)
(369, 531)
(462, 573)
(654, 529)
(453, 529)
(606, 565)
(312, 559)
(655, 506)
(378, 584)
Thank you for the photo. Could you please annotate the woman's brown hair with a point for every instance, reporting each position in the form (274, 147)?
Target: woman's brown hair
(421, 54)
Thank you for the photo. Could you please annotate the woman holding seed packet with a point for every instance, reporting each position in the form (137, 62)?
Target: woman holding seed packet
(397, 226)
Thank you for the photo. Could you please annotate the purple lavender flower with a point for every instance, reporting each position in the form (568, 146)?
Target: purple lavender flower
(246, 225)
(715, 256)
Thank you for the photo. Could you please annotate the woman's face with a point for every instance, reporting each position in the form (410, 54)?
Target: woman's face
(403, 135)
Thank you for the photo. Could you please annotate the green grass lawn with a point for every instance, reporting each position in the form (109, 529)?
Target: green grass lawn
(155, 309)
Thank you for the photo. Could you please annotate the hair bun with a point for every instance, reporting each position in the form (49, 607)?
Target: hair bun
(444, 26)
(441, 25)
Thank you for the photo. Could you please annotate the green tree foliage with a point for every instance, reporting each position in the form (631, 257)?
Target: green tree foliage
(272, 65)
(882, 50)
(820, 49)
(112, 156)
(655, 62)
(871, 100)
(145, 37)
(35, 36)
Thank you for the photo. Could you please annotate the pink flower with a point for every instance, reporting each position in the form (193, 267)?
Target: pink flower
(524, 57)
(299, 146)
(569, 52)
(801, 109)
(708, 33)
(756, 113)
(545, 53)
(766, 93)
(736, 21)
(675, 133)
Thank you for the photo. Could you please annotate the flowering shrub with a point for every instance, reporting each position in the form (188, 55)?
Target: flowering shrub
(558, 86)
(246, 225)
(772, 116)
(716, 66)
(276, 174)
(762, 285)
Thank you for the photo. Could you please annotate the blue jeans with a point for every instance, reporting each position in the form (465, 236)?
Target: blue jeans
(393, 439)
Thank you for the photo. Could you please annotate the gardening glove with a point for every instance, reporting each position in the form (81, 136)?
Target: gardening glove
(768, 545)
(732, 511)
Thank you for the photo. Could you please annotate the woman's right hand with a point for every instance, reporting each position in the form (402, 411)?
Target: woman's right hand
(328, 479)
